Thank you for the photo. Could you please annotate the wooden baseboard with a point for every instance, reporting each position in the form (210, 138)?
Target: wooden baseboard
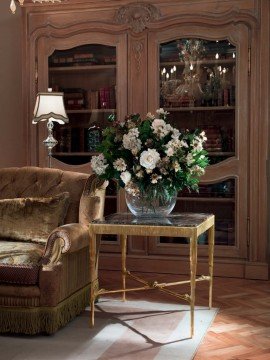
(155, 264)
(256, 270)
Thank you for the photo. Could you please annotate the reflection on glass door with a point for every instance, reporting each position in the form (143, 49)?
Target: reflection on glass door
(197, 88)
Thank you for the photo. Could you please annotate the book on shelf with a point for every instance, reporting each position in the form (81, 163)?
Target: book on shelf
(86, 58)
(80, 56)
(103, 98)
(92, 99)
(107, 97)
(232, 95)
(79, 102)
(213, 142)
(74, 98)
(107, 60)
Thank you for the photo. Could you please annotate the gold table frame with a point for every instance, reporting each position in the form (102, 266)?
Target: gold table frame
(204, 222)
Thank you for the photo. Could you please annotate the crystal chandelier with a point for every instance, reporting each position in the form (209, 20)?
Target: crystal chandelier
(13, 3)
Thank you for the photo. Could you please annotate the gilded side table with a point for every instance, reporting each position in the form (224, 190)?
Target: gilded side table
(189, 225)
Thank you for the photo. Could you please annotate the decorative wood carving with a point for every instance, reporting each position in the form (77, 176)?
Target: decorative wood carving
(137, 15)
(137, 50)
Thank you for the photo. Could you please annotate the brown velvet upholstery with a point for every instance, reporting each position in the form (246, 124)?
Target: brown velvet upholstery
(32, 219)
(49, 285)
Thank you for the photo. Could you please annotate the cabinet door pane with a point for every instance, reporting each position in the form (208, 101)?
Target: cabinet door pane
(197, 87)
(219, 199)
(202, 80)
(87, 76)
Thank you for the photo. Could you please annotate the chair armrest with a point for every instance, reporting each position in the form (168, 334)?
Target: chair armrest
(66, 238)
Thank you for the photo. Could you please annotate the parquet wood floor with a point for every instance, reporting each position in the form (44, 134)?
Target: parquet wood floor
(241, 329)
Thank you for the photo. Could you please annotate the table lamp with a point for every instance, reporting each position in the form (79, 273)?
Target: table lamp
(50, 107)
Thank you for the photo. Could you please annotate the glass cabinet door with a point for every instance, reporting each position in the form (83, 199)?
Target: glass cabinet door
(197, 82)
(89, 68)
(87, 76)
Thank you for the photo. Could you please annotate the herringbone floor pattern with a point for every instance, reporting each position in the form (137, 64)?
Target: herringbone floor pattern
(241, 330)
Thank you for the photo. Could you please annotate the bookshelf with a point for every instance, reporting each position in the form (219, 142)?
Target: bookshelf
(86, 75)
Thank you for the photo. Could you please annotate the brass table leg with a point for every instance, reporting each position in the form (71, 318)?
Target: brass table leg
(123, 239)
(93, 252)
(211, 241)
(193, 269)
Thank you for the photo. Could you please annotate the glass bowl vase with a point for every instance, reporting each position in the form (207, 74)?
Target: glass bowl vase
(151, 203)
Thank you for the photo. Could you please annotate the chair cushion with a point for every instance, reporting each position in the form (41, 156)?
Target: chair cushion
(32, 219)
(20, 262)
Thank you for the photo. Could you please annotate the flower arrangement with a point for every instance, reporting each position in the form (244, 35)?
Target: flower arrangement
(149, 155)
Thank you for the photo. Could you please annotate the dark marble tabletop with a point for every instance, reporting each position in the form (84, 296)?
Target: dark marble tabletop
(174, 219)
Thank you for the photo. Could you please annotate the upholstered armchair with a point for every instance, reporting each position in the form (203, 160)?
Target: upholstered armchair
(44, 246)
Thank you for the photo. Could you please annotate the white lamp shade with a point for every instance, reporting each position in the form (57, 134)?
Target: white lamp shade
(50, 106)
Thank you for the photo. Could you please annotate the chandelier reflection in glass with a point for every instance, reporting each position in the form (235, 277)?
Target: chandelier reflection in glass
(198, 72)
(191, 52)
(13, 3)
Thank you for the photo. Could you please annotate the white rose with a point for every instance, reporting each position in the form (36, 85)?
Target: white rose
(125, 177)
(149, 158)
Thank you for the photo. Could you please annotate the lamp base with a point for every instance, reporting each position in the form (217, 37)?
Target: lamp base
(50, 142)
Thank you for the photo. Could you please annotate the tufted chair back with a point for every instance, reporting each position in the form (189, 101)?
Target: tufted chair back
(17, 182)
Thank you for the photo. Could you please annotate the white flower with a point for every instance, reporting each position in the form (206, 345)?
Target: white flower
(132, 142)
(161, 111)
(170, 151)
(196, 169)
(139, 174)
(203, 137)
(160, 128)
(176, 144)
(133, 132)
(184, 143)
(155, 178)
(189, 159)
(99, 164)
(176, 166)
(197, 145)
(119, 164)
(175, 133)
(172, 147)
(150, 116)
(149, 158)
(125, 177)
